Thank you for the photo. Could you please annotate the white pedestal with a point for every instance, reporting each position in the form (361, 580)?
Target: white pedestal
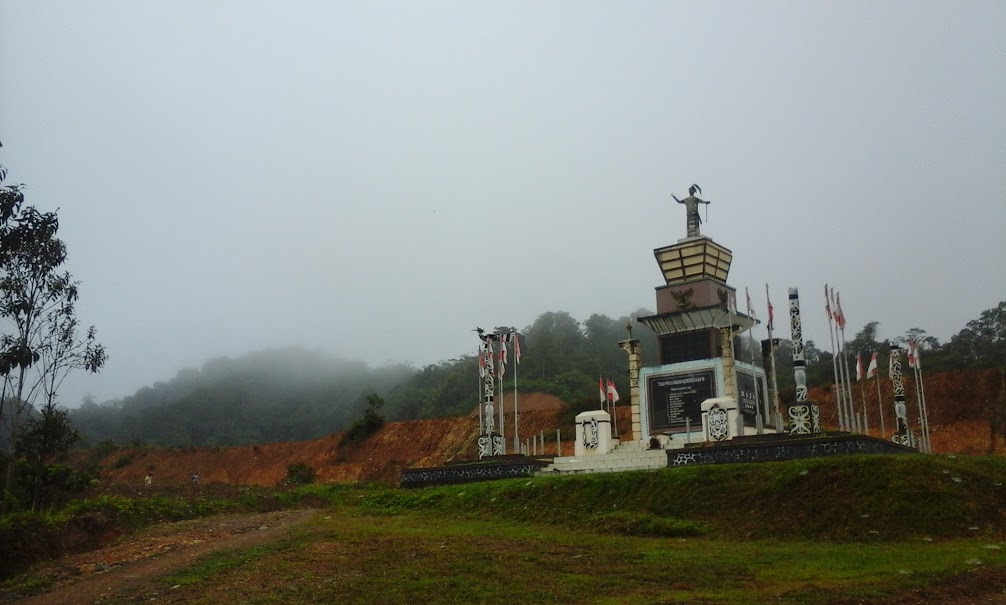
(719, 418)
(593, 433)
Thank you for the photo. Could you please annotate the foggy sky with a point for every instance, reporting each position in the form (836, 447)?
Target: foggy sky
(377, 179)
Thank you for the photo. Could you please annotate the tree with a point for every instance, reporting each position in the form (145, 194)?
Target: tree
(37, 300)
(982, 343)
(44, 438)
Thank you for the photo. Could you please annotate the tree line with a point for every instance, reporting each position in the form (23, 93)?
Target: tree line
(294, 394)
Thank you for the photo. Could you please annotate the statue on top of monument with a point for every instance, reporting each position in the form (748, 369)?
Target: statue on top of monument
(692, 209)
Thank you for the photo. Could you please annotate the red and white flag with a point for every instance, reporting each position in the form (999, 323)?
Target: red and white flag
(502, 358)
(840, 317)
(482, 363)
(911, 352)
(751, 312)
(918, 356)
(516, 348)
(612, 392)
(827, 303)
(859, 367)
(601, 390)
(872, 370)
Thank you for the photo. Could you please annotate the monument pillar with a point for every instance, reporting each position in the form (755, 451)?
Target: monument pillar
(695, 324)
(631, 346)
(729, 369)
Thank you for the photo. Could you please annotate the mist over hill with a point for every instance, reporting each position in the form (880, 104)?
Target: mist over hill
(271, 395)
(297, 394)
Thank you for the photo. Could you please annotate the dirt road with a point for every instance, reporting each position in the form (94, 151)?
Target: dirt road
(130, 567)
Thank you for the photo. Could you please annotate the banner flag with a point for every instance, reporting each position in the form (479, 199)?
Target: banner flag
(612, 391)
(771, 311)
(872, 370)
(600, 387)
(859, 367)
(841, 315)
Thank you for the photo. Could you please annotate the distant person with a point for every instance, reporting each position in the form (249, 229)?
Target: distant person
(147, 480)
(195, 479)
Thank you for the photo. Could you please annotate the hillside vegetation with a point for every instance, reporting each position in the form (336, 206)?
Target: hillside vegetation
(296, 394)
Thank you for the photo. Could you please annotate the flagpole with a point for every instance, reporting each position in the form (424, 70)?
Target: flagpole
(851, 413)
(754, 374)
(516, 364)
(880, 406)
(615, 415)
(502, 405)
(862, 392)
(925, 408)
(481, 379)
(918, 400)
(834, 361)
(771, 352)
(913, 360)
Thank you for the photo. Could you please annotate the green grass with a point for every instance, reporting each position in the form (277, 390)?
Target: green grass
(858, 498)
(419, 557)
(807, 531)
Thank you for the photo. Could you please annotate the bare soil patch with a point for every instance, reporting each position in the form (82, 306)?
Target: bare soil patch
(136, 561)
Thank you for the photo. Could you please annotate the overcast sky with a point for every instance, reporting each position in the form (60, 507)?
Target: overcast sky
(376, 179)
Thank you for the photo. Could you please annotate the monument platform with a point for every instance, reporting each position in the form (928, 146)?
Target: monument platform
(467, 471)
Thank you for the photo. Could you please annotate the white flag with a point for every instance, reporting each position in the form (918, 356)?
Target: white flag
(872, 370)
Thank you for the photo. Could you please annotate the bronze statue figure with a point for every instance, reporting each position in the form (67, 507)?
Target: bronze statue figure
(692, 209)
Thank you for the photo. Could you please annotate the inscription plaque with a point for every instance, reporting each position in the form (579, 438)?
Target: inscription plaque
(676, 397)
(746, 387)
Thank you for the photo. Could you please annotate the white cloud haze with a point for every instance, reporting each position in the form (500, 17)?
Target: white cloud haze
(376, 179)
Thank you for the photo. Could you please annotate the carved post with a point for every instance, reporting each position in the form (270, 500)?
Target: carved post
(490, 442)
(904, 434)
(631, 346)
(804, 417)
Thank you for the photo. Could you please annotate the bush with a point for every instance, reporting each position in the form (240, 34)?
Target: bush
(122, 461)
(370, 423)
(299, 473)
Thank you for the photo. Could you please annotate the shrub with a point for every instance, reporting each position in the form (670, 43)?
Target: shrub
(368, 424)
(299, 473)
(122, 461)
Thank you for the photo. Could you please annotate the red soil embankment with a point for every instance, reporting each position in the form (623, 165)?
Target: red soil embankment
(959, 405)
(397, 445)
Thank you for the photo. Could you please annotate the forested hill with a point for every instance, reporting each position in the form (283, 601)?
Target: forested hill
(272, 395)
(296, 394)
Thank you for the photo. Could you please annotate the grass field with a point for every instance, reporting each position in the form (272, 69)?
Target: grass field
(345, 556)
(869, 529)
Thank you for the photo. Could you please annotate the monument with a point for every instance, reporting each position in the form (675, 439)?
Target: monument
(697, 324)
